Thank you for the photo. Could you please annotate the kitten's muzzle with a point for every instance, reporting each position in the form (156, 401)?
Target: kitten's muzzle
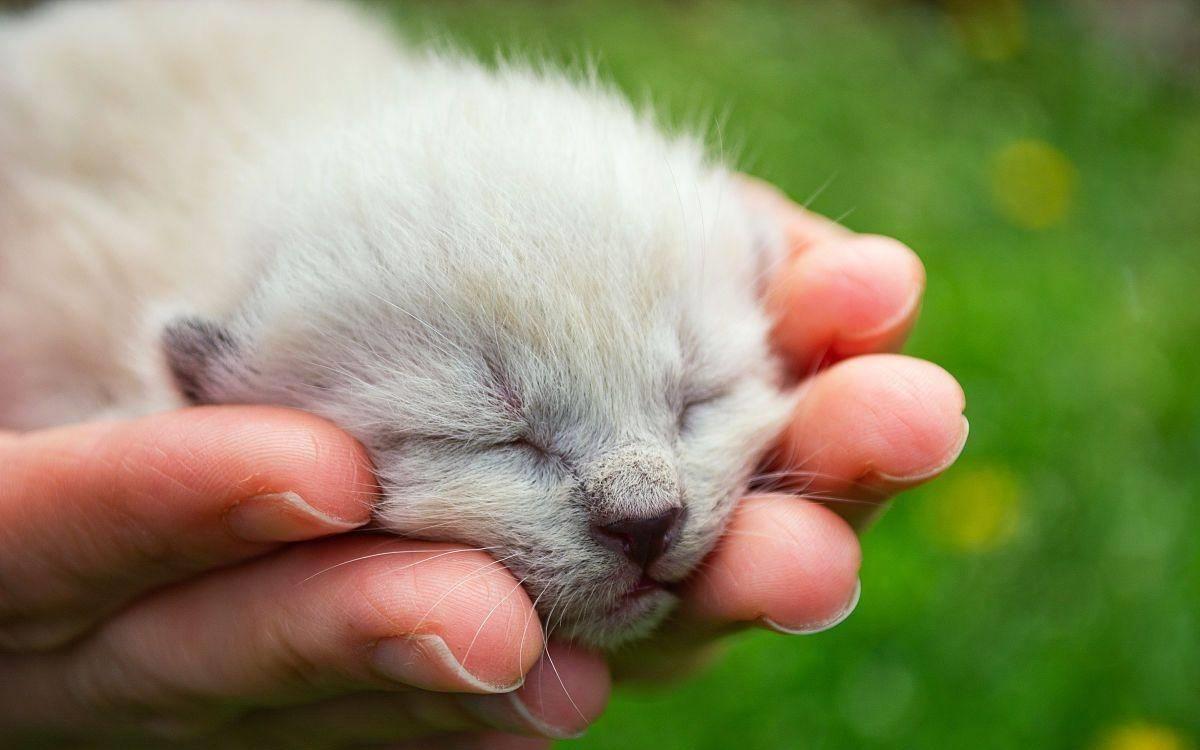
(634, 503)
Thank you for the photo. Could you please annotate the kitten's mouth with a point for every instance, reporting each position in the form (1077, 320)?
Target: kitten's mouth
(611, 610)
(624, 615)
(637, 602)
(640, 598)
(646, 586)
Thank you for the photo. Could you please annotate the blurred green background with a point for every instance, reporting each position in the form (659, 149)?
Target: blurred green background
(1044, 160)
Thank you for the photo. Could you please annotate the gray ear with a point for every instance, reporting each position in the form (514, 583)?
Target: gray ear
(197, 351)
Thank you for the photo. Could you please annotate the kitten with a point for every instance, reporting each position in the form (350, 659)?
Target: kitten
(536, 310)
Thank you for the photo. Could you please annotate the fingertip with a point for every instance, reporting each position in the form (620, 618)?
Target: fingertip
(566, 690)
(812, 627)
(273, 449)
(563, 694)
(879, 421)
(282, 517)
(843, 297)
(447, 618)
(890, 281)
(424, 661)
(783, 559)
(922, 429)
(220, 455)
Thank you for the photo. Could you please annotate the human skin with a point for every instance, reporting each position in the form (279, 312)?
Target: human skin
(191, 573)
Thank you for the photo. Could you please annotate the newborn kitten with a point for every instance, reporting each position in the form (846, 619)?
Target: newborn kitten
(537, 311)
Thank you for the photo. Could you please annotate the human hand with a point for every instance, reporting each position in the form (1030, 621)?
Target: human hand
(146, 596)
(149, 596)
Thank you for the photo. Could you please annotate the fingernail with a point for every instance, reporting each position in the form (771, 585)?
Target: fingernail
(823, 625)
(425, 661)
(510, 713)
(952, 456)
(282, 517)
(540, 725)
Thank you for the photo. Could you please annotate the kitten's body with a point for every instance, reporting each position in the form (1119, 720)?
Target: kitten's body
(125, 132)
(537, 312)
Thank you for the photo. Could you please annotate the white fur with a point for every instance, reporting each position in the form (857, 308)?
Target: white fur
(509, 285)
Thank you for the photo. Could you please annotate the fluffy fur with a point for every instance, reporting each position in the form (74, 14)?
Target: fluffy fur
(536, 310)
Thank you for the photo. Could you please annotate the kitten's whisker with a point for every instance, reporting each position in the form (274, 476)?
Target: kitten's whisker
(469, 576)
(562, 684)
(844, 215)
(777, 479)
(491, 612)
(824, 499)
(546, 649)
(525, 631)
(758, 535)
(821, 189)
(398, 552)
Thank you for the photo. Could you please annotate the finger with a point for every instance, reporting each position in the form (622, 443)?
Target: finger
(358, 612)
(783, 563)
(563, 693)
(361, 720)
(844, 297)
(387, 721)
(836, 294)
(868, 428)
(91, 516)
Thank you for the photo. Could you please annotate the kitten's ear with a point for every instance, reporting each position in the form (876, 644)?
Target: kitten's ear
(198, 352)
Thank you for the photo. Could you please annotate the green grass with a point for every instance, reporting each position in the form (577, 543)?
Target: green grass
(1078, 346)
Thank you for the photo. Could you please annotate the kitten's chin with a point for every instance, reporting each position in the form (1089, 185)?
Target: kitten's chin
(630, 618)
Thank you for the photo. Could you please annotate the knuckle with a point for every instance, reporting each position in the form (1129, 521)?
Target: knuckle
(105, 677)
(289, 659)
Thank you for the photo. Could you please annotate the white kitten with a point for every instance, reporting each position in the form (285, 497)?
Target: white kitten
(537, 311)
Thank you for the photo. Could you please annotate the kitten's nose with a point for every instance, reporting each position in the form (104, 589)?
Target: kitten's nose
(643, 539)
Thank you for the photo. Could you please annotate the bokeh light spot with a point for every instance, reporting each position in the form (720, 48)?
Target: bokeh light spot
(1142, 736)
(1033, 184)
(974, 509)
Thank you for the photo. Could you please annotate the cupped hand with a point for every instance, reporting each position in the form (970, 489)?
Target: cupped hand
(165, 581)
(153, 592)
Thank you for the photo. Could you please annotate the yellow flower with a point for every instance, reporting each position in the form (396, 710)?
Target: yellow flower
(1033, 184)
(974, 509)
(1140, 736)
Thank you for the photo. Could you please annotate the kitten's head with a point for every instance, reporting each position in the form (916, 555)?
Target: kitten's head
(542, 319)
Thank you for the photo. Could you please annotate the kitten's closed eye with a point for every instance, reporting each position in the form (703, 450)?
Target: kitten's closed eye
(697, 403)
(528, 444)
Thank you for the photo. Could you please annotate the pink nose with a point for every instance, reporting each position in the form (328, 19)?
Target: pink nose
(643, 539)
